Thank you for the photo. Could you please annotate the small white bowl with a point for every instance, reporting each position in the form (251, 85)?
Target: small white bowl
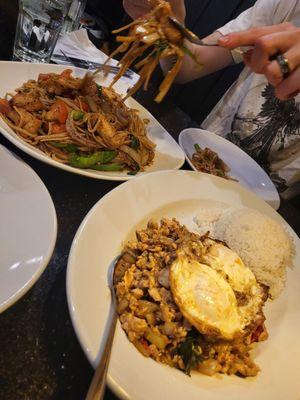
(242, 166)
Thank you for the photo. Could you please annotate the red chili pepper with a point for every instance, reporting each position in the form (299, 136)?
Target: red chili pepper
(144, 343)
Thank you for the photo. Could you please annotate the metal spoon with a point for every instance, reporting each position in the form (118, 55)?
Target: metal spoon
(97, 386)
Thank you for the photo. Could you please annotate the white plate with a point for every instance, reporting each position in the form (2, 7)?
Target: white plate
(27, 229)
(98, 241)
(168, 154)
(242, 166)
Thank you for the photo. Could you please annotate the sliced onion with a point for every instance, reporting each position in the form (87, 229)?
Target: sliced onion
(163, 278)
(68, 102)
(71, 129)
(208, 367)
(129, 257)
(170, 328)
(132, 153)
(122, 117)
(92, 104)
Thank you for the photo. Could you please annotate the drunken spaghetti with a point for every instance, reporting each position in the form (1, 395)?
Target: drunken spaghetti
(78, 122)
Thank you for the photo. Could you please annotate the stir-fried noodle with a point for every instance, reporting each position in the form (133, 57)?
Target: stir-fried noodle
(155, 34)
(77, 122)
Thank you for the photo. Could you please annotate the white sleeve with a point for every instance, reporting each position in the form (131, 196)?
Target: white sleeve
(262, 13)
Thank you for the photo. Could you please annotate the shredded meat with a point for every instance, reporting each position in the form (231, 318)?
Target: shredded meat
(209, 162)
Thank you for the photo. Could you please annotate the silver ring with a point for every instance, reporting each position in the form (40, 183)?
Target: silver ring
(284, 65)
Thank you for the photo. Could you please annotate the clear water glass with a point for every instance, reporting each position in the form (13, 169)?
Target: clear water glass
(38, 28)
(72, 20)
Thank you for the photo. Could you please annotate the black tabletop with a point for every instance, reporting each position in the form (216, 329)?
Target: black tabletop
(40, 357)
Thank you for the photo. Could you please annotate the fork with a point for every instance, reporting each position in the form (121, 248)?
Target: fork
(92, 65)
(193, 38)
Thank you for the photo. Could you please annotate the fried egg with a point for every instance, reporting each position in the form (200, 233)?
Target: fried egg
(219, 296)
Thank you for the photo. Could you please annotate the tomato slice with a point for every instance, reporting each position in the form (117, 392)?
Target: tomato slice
(81, 103)
(58, 128)
(60, 111)
(84, 106)
(5, 107)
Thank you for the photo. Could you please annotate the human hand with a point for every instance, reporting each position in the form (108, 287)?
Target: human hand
(137, 8)
(267, 43)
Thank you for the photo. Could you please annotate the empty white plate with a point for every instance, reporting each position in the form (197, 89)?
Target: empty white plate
(242, 166)
(27, 230)
(168, 155)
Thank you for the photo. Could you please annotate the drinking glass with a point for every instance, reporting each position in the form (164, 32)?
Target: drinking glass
(38, 27)
(72, 20)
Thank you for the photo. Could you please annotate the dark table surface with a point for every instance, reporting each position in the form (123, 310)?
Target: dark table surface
(40, 357)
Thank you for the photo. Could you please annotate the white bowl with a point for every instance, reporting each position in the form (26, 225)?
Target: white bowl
(168, 154)
(242, 166)
(99, 240)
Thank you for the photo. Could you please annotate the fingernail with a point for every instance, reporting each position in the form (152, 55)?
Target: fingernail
(224, 39)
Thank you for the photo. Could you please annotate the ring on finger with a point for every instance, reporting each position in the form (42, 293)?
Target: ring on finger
(284, 65)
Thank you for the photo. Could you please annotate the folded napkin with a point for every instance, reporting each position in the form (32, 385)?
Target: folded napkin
(78, 45)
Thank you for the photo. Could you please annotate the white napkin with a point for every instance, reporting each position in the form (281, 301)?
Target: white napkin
(78, 45)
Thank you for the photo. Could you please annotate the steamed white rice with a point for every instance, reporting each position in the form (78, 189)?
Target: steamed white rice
(261, 242)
